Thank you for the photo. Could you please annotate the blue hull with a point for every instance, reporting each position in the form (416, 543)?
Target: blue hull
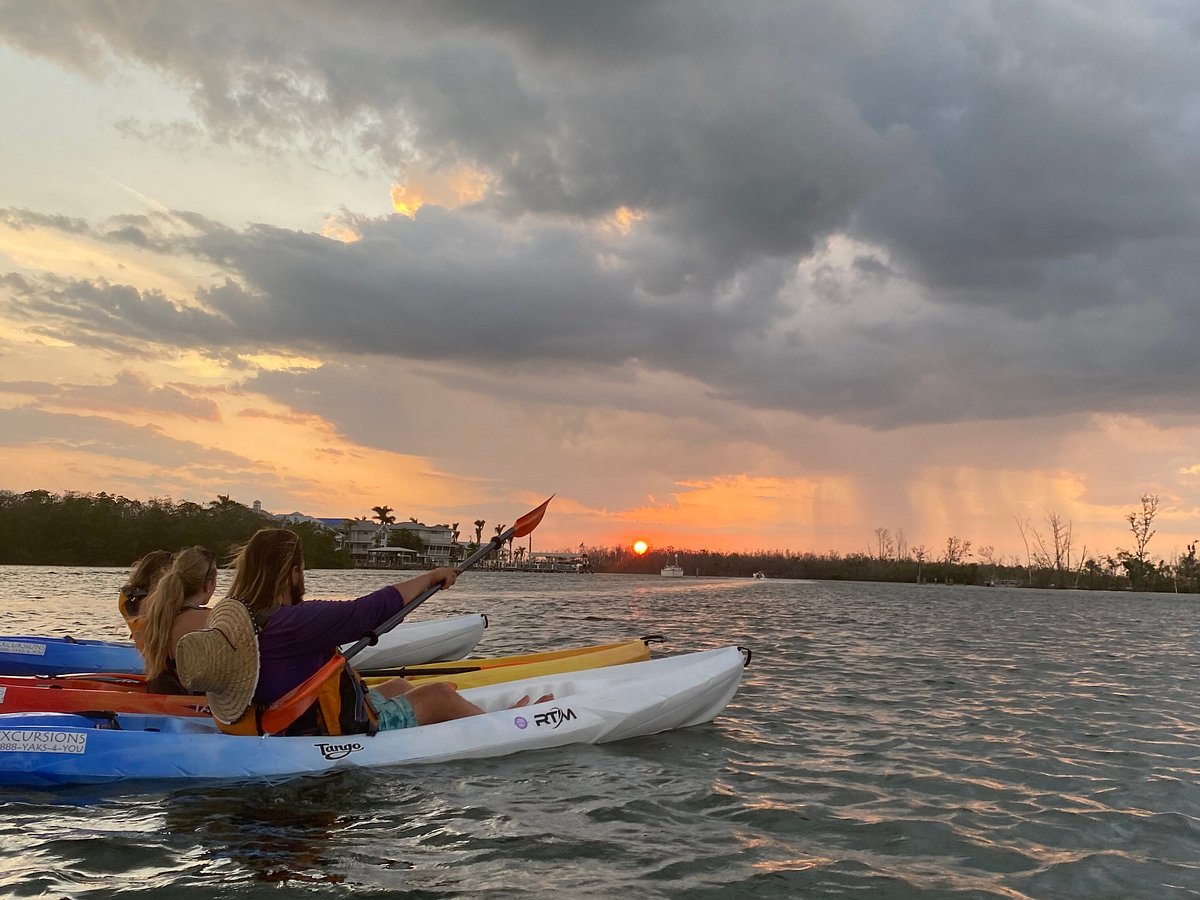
(31, 655)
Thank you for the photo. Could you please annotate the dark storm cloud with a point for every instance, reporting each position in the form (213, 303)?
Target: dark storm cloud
(114, 317)
(1024, 172)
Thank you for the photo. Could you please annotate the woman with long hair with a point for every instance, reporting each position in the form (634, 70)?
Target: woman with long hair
(174, 608)
(142, 578)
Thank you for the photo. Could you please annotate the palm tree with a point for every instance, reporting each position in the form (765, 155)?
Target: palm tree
(382, 514)
(479, 523)
(223, 504)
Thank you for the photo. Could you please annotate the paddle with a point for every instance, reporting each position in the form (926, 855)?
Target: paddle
(284, 711)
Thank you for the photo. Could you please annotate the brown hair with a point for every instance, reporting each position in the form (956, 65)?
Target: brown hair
(147, 570)
(264, 570)
(190, 571)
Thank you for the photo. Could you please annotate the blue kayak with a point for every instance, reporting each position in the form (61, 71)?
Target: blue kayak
(31, 655)
(409, 644)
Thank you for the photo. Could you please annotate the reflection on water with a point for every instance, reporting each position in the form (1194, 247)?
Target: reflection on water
(888, 741)
(278, 834)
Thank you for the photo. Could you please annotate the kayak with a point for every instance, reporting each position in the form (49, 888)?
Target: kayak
(409, 643)
(589, 707)
(127, 693)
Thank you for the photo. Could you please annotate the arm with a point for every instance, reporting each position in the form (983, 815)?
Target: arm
(316, 624)
(444, 576)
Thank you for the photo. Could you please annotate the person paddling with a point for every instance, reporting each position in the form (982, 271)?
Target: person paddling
(175, 607)
(263, 641)
(144, 575)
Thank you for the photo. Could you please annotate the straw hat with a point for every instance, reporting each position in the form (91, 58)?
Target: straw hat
(221, 660)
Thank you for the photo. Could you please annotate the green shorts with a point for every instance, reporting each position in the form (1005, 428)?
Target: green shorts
(394, 713)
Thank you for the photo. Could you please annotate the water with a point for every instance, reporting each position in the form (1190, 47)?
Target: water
(888, 741)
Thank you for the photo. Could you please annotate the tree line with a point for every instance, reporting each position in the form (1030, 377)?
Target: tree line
(41, 528)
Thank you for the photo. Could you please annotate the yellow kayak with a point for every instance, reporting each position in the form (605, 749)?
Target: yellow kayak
(121, 693)
(465, 673)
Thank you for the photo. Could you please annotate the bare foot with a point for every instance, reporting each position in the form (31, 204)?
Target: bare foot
(524, 701)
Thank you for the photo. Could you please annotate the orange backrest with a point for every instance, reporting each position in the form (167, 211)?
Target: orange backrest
(279, 716)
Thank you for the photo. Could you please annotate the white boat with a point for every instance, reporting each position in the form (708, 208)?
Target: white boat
(672, 569)
(759, 576)
(589, 707)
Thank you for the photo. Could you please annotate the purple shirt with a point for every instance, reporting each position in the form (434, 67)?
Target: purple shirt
(300, 639)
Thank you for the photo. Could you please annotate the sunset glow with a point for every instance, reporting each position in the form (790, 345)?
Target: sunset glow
(640, 547)
(387, 280)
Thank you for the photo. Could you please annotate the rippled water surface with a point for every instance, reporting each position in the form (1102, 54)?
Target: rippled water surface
(888, 741)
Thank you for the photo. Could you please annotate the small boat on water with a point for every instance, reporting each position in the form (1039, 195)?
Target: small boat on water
(407, 644)
(759, 576)
(590, 707)
(672, 569)
(127, 693)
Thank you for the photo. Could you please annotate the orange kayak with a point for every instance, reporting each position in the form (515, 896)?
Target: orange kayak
(120, 693)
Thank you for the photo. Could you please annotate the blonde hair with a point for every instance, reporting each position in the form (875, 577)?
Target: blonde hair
(147, 570)
(264, 570)
(190, 571)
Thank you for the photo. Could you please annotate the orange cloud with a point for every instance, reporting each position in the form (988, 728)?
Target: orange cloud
(623, 219)
(450, 189)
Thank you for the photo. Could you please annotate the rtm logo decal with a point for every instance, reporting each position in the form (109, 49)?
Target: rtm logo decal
(338, 751)
(554, 718)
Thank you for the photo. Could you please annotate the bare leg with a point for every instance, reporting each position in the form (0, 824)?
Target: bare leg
(439, 702)
(394, 687)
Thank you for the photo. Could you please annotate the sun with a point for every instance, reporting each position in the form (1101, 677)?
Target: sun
(640, 547)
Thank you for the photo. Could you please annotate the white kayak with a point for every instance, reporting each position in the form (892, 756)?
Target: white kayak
(589, 707)
(413, 643)
(409, 644)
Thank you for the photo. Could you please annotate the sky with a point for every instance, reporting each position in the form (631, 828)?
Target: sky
(724, 275)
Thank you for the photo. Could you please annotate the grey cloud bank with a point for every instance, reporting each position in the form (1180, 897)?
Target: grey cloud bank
(880, 212)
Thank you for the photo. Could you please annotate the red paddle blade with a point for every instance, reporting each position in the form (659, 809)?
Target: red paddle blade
(531, 519)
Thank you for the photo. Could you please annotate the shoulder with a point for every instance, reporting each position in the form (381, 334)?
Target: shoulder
(188, 621)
